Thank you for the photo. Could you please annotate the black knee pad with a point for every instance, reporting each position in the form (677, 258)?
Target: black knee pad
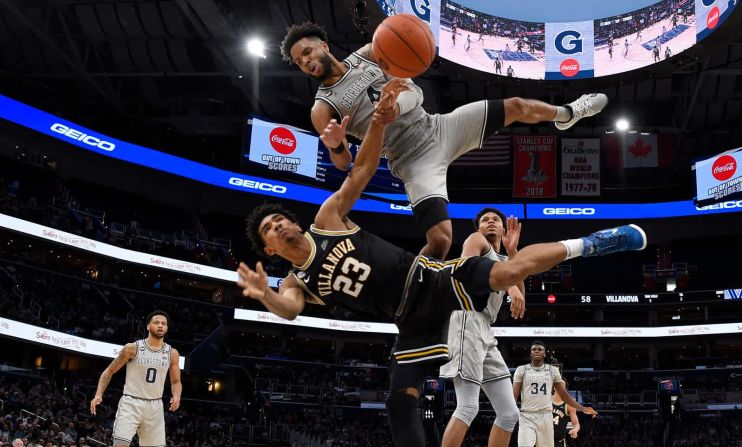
(404, 420)
(431, 211)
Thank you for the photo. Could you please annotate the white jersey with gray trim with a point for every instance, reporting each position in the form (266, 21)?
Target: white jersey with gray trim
(354, 95)
(145, 373)
(494, 302)
(537, 383)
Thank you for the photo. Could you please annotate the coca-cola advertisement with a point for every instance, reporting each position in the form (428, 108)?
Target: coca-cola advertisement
(719, 178)
(283, 148)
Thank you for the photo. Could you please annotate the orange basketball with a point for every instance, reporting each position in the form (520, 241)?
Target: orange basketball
(404, 46)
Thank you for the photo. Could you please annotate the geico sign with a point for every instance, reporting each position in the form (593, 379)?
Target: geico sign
(260, 186)
(569, 211)
(721, 206)
(83, 137)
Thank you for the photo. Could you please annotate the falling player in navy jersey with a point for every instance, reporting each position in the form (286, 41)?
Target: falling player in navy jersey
(336, 262)
(419, 146)
(147, 362)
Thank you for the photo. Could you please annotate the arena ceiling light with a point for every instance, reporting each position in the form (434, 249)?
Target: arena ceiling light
(622, 124)
(256, 47)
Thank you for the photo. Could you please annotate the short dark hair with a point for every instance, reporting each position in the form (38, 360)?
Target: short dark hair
(294, 33)
(538, 343)
(486, 210)
(155, 313)
(252, 223)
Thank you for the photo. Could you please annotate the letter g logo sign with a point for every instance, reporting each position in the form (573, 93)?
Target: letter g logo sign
(568, 42)
(422, 9)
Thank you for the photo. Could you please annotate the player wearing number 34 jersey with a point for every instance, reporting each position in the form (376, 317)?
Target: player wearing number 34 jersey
(532, 383)
(147, 362)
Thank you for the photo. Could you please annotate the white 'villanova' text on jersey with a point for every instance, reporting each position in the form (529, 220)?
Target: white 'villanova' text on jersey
(145, 373)
(537, 383)
(354, 96)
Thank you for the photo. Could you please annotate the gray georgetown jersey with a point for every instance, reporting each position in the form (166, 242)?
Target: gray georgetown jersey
(145, 373)
(495, 300)
(535, 393)
(354, 95)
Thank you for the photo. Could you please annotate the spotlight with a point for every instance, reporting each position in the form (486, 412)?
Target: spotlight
(622, 124)
(256, 47)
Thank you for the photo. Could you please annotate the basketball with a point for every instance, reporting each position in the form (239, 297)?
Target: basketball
(404, 46)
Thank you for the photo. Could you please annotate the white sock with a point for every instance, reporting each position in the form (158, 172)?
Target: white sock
(574, 247)
(563, 114)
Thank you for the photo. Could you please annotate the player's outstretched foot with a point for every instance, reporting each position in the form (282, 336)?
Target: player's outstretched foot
(584, 106)
(613, 240)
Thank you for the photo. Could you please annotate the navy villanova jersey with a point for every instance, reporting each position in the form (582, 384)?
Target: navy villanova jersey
(561, 418)
(356, 270)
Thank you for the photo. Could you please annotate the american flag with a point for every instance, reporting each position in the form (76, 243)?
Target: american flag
(495, 151)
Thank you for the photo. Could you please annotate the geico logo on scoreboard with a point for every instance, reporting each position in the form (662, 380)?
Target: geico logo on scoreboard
(569, 211)
(252, 184)
(394, 206)
(568, 42)
(77, 135)
(721, 206)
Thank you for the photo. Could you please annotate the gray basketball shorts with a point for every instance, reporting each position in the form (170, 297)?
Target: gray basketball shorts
(535, 429)
(472, 349)
(144, 417)
(457, 133)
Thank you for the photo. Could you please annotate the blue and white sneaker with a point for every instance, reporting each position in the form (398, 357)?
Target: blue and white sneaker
(614, 240)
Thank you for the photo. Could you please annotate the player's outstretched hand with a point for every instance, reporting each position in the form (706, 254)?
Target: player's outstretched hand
(94, 403)
(590, 411)
(174, 403)
(511, 237)
(333, 134)
(387, 109)
(254, 283)
(517, 303)
(573, 432)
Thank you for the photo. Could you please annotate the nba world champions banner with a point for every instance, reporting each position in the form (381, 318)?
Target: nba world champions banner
(534, 173)
(580, 166)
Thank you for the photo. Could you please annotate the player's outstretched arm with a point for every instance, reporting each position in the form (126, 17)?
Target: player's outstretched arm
(562, 391)
(127, 353)
(176, 387)
(287, 303)
(333, 212)
(332, 134)
(575, 422)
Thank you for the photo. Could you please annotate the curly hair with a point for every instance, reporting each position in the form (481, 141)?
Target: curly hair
(155, 313)
(484, 211)
(252, 223)
(294, 33)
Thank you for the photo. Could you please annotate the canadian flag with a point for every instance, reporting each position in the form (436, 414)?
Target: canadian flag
(634, 150)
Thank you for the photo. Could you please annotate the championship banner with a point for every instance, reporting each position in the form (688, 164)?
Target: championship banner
(283, 149)
(569, 50)
(580, 167)
(535, 166)
(718, 179)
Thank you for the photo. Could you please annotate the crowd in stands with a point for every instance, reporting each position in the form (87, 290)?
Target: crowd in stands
(644, 18)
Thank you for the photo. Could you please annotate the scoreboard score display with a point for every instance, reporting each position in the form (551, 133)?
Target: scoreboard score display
(617, 299)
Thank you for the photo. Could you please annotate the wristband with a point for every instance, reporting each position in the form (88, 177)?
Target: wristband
(338, 150)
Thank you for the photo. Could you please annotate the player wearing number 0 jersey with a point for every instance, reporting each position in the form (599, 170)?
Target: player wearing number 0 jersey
(140, 409)
(336, 262)
(533, 384)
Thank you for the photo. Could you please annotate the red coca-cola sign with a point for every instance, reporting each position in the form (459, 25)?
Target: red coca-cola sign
(569, 67)
(551, 299)
(283, 140)
(724, 168)
(713, 18)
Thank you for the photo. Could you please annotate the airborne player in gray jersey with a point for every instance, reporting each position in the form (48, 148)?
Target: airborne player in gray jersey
(419, 146)
(147, 363)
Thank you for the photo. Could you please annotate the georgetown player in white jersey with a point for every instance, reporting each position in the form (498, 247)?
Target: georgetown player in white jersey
(475, 362)
(533, 384)
(418, 145)
(147, 363)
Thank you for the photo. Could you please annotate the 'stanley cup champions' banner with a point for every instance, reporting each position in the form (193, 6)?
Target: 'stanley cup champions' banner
(283, 149)
(719, 178)
(534, 174)
(580, 167)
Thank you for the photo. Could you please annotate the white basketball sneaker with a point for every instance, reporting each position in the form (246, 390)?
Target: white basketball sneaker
(584, 106)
